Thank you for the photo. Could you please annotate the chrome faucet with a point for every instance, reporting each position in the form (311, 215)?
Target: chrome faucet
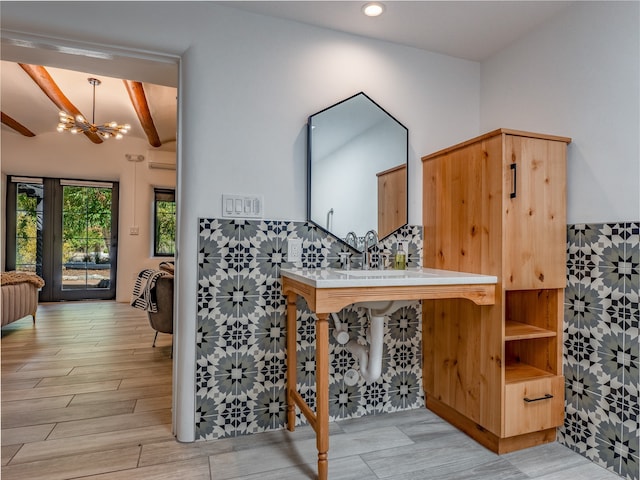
(351, 239)
(370, 239)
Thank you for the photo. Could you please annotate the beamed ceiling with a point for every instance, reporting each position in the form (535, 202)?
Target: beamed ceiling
(33, 95)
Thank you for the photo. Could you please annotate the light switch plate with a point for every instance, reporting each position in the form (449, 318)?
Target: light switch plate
(242, 206)
(294, 250)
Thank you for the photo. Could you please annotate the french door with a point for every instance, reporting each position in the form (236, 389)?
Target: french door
(65, 231)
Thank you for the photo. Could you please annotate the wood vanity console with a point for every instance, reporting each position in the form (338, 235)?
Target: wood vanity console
(496, 205)
(326, 292)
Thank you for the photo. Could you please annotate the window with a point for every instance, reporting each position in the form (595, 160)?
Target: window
(164, 220)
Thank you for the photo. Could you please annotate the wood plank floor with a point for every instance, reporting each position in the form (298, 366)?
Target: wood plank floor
(84, 395)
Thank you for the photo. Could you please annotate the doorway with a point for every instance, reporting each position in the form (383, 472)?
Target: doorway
(66, 232)
(160, 69)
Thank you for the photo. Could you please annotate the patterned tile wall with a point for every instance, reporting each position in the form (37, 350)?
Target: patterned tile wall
(601, 345)
(240, 351)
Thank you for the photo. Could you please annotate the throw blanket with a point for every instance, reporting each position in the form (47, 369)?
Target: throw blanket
(144, 294)
(167, 267)
(12, 278)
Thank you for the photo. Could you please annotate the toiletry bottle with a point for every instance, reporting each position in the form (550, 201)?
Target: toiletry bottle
(401, 258)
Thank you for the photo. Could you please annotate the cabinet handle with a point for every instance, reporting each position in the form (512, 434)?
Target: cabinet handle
(547, 396)
(514, 176)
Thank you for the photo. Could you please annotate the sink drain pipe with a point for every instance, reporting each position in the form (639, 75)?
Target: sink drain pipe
(370, 359)
(340, 333)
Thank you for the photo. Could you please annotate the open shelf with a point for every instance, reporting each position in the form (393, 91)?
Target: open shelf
(524, 331)
(520, 372)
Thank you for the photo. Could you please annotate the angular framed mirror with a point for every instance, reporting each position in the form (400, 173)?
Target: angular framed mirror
(357, 169)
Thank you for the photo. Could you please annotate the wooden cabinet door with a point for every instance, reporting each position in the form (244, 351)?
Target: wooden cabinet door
(534, 199)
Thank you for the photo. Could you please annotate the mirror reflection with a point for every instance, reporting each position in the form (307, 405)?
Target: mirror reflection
(357, 170)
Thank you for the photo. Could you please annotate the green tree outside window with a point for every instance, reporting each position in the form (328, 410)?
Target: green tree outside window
(86, 223)
(164, 244)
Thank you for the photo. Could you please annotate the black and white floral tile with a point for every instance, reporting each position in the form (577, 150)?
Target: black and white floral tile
(601, 345)
(240, 345)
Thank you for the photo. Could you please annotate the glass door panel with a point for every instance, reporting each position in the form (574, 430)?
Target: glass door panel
(86, 233)
(28, 238)
(66, 231)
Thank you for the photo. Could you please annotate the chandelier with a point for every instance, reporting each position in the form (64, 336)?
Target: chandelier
(79, 124)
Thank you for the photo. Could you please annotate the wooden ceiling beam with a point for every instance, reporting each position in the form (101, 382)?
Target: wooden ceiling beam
(16, 125)
(42, 78)
(141, 106)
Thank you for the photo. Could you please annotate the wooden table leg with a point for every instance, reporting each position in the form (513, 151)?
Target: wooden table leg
(322, 394)
(292, 362)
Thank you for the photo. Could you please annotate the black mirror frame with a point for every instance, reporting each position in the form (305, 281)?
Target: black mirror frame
(309, 150)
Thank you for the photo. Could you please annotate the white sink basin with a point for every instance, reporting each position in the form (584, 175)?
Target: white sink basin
(338, 278)
(381, 273)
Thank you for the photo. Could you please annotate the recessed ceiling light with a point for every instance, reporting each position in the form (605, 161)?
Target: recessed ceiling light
(373, 9)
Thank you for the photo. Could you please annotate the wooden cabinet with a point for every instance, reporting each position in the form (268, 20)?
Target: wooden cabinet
(496, 205)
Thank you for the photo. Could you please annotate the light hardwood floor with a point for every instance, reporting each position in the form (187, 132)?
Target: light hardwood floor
(84, 395)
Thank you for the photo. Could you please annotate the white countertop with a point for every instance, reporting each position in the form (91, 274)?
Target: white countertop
(336, 278)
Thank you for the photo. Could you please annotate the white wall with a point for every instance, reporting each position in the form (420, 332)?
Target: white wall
(75, 157)
(266, 76)
(578, 76)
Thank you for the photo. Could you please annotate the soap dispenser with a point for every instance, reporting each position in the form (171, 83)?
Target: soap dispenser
(400, 262)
